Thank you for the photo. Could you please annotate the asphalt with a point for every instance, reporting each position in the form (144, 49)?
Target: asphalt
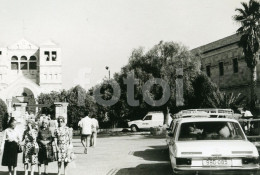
(118, 154)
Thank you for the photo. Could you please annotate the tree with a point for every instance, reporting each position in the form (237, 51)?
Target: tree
(3, 114)
(249, 17)
(49, 99)
(78, 99)
(161, 61)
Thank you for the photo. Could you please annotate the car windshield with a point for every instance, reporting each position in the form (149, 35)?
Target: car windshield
(210, 130)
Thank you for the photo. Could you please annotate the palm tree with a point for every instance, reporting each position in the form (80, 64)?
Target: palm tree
(225, 100)
(248, 17)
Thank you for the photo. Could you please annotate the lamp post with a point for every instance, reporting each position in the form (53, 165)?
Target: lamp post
(107, 68)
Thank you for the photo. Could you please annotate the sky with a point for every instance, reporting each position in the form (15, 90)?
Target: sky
(94, 34)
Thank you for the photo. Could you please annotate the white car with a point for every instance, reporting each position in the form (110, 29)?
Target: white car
(210, 144)
(152, 119)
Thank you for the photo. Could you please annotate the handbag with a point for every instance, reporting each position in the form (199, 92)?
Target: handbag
(71, 154)
(19, 148)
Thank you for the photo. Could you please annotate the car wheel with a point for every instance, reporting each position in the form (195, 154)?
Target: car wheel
(134, 128)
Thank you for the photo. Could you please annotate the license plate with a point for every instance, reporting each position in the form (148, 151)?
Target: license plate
(217, 162)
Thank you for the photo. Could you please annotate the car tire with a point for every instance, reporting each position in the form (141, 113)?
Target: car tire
(134, 128)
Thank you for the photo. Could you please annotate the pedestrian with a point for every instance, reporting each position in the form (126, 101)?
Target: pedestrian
(62, 143)
(86, 127)
(44, 141)
(95, 127)
(10, 147)
(31, 147)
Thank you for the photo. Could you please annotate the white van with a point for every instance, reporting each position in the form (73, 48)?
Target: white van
(152, 119)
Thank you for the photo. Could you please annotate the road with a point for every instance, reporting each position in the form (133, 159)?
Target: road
(116, 155)
(139, 154)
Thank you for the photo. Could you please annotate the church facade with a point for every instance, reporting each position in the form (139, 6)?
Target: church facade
(27, 69)
(223, 61)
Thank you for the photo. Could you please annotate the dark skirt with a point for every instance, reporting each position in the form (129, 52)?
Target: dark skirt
(10, 154)
(46, 154)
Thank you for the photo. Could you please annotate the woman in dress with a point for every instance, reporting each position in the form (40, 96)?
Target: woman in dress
(44, 140)
(62, 142)
(31, 147)
(10, 147)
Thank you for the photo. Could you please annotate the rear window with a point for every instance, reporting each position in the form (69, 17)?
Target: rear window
(210, 131)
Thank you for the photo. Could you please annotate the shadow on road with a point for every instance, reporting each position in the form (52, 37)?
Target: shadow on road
(158, 153)
(149, 136)
(22, 173)
(147, 169)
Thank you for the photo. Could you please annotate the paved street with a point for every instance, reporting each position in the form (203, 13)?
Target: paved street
(116, 155)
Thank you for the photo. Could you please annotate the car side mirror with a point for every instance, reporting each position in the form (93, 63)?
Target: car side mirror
(170, 134)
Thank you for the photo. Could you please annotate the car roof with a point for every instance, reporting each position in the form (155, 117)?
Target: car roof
(203, 119)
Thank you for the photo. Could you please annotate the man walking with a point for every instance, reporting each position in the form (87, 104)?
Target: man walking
(94, 132)
(86, 125)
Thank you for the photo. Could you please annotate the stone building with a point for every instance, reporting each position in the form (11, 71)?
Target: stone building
(224, 63)
(27, 69)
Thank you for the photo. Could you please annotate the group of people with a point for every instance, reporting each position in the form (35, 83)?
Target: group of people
(41, 143)
(89, 127)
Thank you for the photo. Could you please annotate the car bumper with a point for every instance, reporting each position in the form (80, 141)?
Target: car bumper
(218, 170)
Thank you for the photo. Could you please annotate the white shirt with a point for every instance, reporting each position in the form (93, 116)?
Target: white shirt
(10, 135)
(95, 123)
(86, 124)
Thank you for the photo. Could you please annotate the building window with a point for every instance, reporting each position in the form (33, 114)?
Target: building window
(23, 65)
(14, 63)
(221, 68)
(54, 55)
(14, 66)
(45, 76)
(50, 76)
(33, 63)
(1, 77)
(33, 58)
(0, 52)
(24, 58)
(14, 58)
(47, 55)
(56, 76)
(208, 70)
(235, 65)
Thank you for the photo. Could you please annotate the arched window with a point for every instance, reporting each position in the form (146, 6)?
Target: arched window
(23, 58)
(14, 58)
(14, 63)
(33, 63)
(33, 58)
(23, 63)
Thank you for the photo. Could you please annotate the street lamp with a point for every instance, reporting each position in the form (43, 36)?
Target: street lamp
(107, 68)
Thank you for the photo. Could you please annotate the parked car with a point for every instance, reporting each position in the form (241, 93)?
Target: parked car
(152, 119)
(211, 144)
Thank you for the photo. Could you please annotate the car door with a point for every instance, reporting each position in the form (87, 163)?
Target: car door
(147, 122)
